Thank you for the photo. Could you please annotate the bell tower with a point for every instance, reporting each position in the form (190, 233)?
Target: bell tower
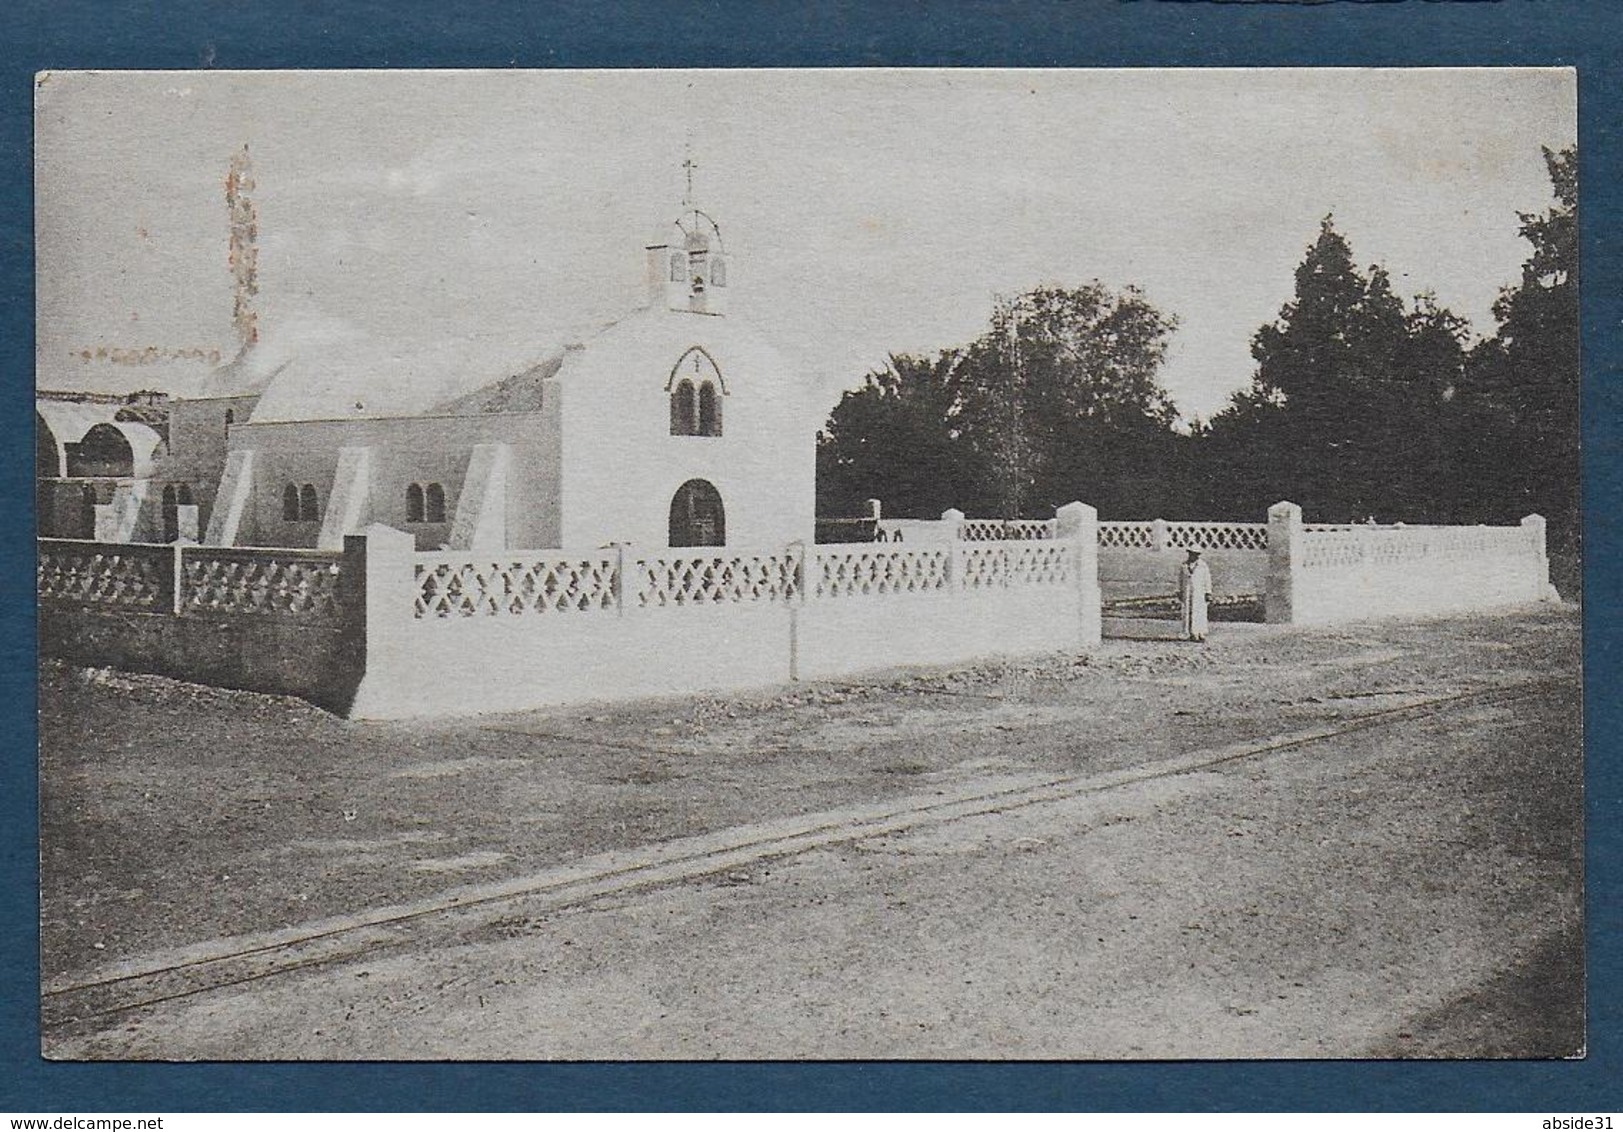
(688, 264)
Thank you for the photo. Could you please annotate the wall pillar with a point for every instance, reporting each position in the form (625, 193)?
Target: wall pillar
(1078, 524)
(376, 596)
(1284, 562)
(1534, 525)
(175, 597)
(625, 592)
(1160, 538)
(186, 524)
(952, 525)
(796, 601)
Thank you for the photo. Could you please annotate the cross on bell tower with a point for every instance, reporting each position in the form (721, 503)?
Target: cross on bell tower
(688, 268)
(689, 166)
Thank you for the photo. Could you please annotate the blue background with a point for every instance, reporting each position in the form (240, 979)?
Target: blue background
(41, 34)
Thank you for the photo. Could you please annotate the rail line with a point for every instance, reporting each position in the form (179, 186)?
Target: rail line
(222, 964)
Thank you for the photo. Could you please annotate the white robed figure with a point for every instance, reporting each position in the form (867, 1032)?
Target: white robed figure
(1194, 588)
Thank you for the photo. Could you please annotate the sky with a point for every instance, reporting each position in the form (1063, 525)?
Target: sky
(476, 215)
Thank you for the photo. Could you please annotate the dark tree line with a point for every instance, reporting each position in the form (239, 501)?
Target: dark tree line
(1362, 403)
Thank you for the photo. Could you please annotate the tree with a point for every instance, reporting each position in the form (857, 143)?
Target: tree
(1343, 413)
(897, 440)
(1060, 399)
(1518, 407)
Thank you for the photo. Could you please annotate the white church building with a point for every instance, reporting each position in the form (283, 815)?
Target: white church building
(675, 425)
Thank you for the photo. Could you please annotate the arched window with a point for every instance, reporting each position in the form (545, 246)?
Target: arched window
(414, 504)
(718, 272)
(697, 516)
(709, 411)
(290, 503)
(684, 409)
(434, 503)
(679, 266)
(309, 511)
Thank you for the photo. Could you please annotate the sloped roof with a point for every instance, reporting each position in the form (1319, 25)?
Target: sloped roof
(368, 379)
(518, 393)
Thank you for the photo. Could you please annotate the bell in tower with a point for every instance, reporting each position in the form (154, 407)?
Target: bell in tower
(687, 268)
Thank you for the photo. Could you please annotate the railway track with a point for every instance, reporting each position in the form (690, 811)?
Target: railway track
(222, 964)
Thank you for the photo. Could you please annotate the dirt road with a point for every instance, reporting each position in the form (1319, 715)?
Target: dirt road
(1336, 844)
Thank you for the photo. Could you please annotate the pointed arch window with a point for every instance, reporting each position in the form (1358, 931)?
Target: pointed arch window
(290, 503)
(414, 503)
(697, 388)
(309, 505)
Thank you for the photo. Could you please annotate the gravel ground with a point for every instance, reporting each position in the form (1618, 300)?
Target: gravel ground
(174, 815)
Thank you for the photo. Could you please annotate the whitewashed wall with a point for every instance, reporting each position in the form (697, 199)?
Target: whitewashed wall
(1321, 574)
(459, 633)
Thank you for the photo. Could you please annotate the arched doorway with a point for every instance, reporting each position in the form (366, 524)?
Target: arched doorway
(697, 516)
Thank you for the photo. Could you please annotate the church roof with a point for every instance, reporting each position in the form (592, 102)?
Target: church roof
(369, 379)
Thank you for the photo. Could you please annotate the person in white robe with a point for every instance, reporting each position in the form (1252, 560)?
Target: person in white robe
(1194, 588)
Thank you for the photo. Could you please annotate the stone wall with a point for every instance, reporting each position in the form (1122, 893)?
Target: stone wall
(529, 629)
(1322, 574)
(285, 622)
(380, 630)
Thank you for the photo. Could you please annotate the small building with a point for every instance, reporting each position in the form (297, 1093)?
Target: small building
(90, 451)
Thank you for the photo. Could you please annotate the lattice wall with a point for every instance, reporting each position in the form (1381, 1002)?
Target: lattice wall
(708, 579)
(997, 530)
(1330, 547)
(448, 587)
(260, 581)
(848, 573)
(1126, 536)
(1014, 564)
(1217, 536)
(128, 577)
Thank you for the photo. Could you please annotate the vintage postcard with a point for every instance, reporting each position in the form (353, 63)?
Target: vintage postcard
(848, 564)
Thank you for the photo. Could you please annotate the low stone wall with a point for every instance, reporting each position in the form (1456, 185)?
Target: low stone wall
(531, 629)
(1322, 574)
(283, 622)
